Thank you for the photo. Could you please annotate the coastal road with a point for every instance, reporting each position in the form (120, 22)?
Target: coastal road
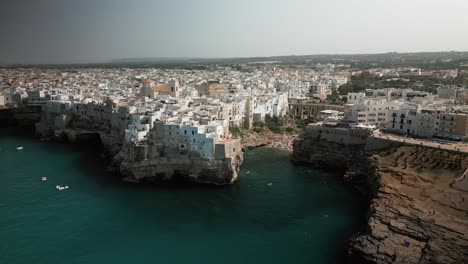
(453, 146)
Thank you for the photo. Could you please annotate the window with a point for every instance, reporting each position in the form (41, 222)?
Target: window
(185, 132)
(193, 132)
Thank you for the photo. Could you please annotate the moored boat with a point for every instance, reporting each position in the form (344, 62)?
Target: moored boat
(61, 188)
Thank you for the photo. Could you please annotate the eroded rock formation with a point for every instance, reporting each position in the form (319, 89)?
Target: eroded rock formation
(415, 215)
(146, 162)
(265, 137)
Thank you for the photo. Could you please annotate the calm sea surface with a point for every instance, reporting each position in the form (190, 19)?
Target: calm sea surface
(303, 216)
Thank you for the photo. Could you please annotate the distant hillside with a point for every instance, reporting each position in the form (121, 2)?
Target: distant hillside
(436, 60)
(302, 59)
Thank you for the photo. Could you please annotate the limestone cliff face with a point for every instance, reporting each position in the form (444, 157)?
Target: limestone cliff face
(416, 205)
(63, 127)
(265, 137)
(415, 215)
(24, 116)
(137, 164)
(352, 160)
(133, 161)
(196, 170)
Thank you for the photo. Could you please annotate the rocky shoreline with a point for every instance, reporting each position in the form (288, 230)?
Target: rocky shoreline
(267, 138)
(415, 214)
(141, 163)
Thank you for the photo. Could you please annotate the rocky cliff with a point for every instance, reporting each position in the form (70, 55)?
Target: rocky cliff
(125, 158)
(25, 116)
(264, 137)
(176, 168)
(415, 215)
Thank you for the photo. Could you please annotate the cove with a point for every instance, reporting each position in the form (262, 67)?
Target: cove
(276, 213)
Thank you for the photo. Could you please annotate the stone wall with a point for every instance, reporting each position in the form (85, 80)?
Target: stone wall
(376, 144)
(229, 149)
(340, 135)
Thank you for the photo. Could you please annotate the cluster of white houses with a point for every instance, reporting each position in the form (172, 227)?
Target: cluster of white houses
(129, 102)
(186, 135)
(409, 112)
(167, 113)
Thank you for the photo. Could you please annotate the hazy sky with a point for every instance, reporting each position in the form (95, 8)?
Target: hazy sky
(64, 31)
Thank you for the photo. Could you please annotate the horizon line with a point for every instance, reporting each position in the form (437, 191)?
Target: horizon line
(168, 59)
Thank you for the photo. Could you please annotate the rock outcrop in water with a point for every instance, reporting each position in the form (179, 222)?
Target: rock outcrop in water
(147, 161)
(415, 214)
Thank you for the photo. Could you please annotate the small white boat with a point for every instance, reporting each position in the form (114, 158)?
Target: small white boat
(61, 188)
(44, 178)
(19, 148)
(269, 184)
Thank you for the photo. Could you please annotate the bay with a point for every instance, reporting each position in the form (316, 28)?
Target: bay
(276, 213)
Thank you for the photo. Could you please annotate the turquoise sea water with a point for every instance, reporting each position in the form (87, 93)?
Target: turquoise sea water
(304, 216)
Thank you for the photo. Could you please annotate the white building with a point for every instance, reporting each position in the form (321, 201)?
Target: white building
(321, 88)
(280, 105)
(36, 97)
(139, 127)
(428, 122)
(371, 110)
(353, 98)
